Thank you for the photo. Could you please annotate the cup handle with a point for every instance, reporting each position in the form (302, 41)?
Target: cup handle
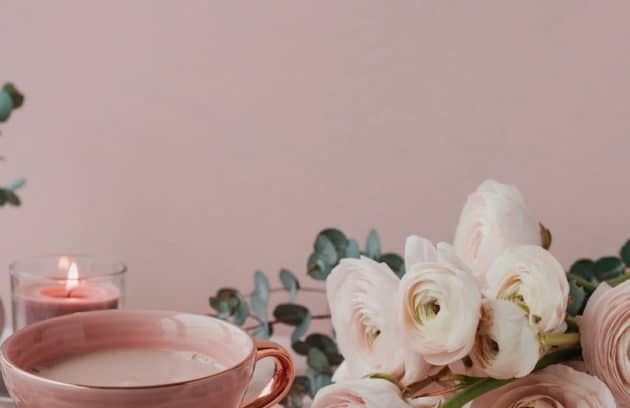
(282, 379)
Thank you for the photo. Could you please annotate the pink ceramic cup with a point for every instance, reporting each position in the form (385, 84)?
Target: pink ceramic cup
(101, 330)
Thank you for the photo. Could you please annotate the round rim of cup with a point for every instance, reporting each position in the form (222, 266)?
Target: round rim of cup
(120, 270)
(5, 359)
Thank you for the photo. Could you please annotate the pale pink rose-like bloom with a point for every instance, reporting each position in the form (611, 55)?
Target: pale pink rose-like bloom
(556, 386)
(494, 218)
(506, 344)
(440, 303)
(532, 278)
(605, 338)
(367, 393)
(361, 295)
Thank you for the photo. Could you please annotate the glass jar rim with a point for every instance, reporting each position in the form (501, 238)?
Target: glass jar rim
(118, 267)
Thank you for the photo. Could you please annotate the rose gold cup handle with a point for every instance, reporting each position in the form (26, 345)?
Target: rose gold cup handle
(282, 379)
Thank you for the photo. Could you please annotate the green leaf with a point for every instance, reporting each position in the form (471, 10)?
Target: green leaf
(395, 262)
(373, 245)
(577, 298)
(625, 253)
(318, 380)
(317, 267)
(259, 308)
(290, 283)
(300, 388)
(608, 267)
(338, 239)
(318, 361)
(13, 199)
(325, 248)
(261, 286)
(4, 196)
(352, 250)
(322, 342)
(263, 331)
(290, 313)
(6, 106)
(301, 329)
(17, 99)
(221, 307)
(16, 184)
(242, 312)
(585, 269)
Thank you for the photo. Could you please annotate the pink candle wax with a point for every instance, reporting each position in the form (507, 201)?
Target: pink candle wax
(36, 302)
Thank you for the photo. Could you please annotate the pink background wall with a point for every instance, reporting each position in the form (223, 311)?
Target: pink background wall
(200, 140)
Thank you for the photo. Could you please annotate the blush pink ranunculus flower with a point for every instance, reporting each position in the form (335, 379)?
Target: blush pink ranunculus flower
(533, 279)
(506, 345)
(605, 338)
(556, 386)
(361, 295)
(439, 303)
(494, 218)
(367, 393)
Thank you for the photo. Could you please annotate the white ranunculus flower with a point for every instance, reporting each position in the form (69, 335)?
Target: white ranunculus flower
(361, 295)
(368, 393)
(533, 279)
(440, 303)
(494, 218)
(507, 345)
(556, 386)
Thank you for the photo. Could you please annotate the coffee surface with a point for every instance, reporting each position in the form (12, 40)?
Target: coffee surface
(129, 368)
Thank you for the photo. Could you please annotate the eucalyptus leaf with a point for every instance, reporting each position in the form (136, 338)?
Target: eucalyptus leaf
(625, 253)
(16, 184)
(577, 298)
(6, 106)
(13, 199)
(325, 248)
(373, 245)
(585, 269)
(301, 387)
(352, 250)
(395, 262)
(3, 196)
(317, 381)
(318, 361)
(301, 329)
(290, 313)
(317, 267)
(261, 286)
(322, 342)
(220, 306)
(242, 312)
(17, 99)
(263, 331)
(259, 308)
(608, 267)
(290, 283)
(338, 239)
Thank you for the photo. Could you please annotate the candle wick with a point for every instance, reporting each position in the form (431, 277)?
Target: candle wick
(69, 293)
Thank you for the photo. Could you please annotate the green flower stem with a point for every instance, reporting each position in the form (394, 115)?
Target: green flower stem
(619, 279)
(572, 322)
(561, 339)
(411, 389)
(582, 282)
(484, 385)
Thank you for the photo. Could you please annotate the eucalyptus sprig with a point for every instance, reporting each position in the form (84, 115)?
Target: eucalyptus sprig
(10, 99)
(320, 350)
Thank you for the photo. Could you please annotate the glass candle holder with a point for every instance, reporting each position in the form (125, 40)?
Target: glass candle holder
(51, 286)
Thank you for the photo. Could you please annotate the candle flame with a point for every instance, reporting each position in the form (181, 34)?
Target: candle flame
(73, 277)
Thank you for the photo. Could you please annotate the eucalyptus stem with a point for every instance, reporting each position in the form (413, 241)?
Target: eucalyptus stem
(561, 339)
(619, 279)
(274, 322)
(485, 385)
(582, 282)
